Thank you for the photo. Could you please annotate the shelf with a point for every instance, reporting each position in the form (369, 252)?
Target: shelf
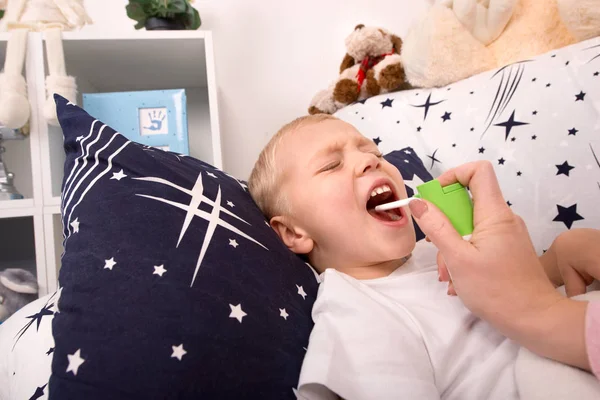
(135, 35)
(101, 62)
(12, 204)
(137, 60)
(16, 212)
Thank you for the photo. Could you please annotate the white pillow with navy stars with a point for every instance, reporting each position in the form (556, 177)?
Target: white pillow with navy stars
(537, 121)
(172, 284)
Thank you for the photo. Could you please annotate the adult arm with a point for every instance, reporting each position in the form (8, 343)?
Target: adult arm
(497, 274)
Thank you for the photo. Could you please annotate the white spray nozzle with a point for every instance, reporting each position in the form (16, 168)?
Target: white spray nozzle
(394, 204)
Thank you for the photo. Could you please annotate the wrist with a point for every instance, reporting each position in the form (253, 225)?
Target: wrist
(556, 331)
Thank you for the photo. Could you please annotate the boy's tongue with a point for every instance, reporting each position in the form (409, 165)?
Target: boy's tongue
(391, 215)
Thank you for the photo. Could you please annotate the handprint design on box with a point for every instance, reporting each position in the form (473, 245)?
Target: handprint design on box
(154, 121)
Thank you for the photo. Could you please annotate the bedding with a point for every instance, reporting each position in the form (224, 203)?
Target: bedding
(537, 121)
(150, 307)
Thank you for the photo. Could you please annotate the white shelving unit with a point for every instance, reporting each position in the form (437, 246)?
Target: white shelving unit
(138, 60)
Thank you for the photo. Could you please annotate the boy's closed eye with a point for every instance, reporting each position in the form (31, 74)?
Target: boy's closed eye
(331, 166)
(335, 164)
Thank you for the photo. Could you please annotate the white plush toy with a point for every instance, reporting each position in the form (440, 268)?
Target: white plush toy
(456, 39)
(484, 19)
(50, 17)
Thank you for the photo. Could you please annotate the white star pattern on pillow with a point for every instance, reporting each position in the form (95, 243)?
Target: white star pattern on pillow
(118, 175)
(75, 361)
(178, 352)
(301, 292)
(237, 312)
(159, 270)
(283, 313)
(109, 264)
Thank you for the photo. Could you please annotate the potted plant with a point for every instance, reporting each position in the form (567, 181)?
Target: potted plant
(163, 14)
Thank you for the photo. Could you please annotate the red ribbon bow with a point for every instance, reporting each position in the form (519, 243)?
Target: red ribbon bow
(366, 64)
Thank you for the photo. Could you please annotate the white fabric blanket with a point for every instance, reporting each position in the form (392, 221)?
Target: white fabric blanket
(539, 378)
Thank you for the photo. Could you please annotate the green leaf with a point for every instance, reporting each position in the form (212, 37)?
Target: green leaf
(141, 10)
(157, 9)
(136, 12)
(177, 6)
(192, 19)
(196, 21)
(1, 14)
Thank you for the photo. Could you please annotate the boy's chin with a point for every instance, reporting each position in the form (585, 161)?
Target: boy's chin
(398, 252)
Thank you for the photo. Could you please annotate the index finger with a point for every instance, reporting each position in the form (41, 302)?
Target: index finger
(481, 179)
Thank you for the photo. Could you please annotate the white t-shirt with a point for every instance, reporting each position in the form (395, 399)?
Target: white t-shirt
(403, 337)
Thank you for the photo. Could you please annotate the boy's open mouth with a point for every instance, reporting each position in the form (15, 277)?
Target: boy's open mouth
(383, 194)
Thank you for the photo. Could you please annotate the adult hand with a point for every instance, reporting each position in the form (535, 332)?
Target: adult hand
(497, 273)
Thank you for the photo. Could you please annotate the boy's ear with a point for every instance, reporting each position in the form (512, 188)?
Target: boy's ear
(296, 239)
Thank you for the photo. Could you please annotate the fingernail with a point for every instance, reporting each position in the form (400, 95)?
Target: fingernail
(417, 208)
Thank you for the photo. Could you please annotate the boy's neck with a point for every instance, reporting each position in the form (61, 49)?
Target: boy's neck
(374, 271)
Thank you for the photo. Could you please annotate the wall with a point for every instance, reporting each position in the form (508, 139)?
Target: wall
(271, 57)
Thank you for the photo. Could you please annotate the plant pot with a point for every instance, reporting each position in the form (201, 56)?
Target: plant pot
(163, 24)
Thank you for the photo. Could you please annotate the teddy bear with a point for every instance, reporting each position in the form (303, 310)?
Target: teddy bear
(371, 66)
(456, 39)
(18, 287)
(50, 17)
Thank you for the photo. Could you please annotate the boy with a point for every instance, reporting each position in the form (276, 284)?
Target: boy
(384, 325)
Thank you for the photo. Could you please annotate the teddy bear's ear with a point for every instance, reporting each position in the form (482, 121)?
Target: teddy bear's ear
(359, 26)
(347, 62)
(397, 44)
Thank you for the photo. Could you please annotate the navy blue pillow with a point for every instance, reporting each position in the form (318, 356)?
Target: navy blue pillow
(172, 283)
(413, 172)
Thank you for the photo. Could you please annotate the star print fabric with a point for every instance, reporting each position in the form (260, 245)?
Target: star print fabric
(26, 350)
(537, 121)
(173, 285)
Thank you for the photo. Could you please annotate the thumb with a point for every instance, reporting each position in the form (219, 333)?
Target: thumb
(437, 227)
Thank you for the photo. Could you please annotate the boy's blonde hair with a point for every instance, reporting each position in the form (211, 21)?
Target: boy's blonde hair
(265, 179)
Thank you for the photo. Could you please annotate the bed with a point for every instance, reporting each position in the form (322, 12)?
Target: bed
(186, 292)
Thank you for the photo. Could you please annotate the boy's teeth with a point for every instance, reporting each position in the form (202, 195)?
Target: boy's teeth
(380, 189)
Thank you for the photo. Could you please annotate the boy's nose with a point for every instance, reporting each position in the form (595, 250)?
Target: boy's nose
(368, 163)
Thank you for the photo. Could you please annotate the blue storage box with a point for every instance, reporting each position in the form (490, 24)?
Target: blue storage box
(155, 118)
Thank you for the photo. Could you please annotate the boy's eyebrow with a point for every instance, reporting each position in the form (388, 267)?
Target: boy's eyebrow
(339, 145)
(363, 141)
(332, 148)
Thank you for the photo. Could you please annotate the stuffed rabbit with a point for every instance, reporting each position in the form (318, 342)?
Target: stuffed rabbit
(50, 17)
